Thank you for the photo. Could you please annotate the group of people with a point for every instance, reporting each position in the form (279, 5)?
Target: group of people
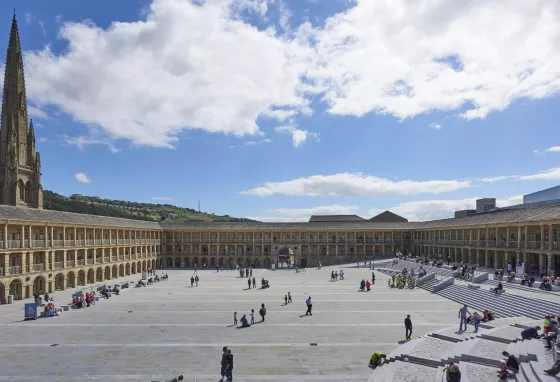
(473, 318)
(365, 285)
(194, 280)
(80, 299)
(107, 291)
(247, 272)
(335, 275)
(401, 281)
(464, 271)
(262, 312)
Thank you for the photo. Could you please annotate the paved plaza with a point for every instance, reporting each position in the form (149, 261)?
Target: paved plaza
(169, 328)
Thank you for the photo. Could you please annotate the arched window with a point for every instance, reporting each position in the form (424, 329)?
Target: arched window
(28, 191)
(21, 187)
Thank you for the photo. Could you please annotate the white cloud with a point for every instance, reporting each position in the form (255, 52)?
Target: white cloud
(436, 126)
(185, 66)
(551, 174)
(441, 209)
(82, 141)
(355, 184)
(493, 179)
(253, 143)
(298, 136)
(278, 219)
(35, 112)
(406, 58)
(161, 198)
(553, 149)
(318, 210)
(82, 178)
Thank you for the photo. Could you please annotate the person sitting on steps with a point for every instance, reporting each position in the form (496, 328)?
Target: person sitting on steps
(244, 322)
(500, 287)
(377, 359)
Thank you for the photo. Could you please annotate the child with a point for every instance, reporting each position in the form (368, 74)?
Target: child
(235, 318)
(546, 325)
(476, 321)
(252, 316)
(285, 300)
(289, 297)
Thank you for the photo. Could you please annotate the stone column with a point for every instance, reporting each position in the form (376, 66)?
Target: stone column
(22, 236)
(486, 258)
(542, 262)
(518, 236)
(52, 235)
(488, 239)
(550, 237)
(64, 236)
(549, 267)
(542, 237)
(507, 236)
(24, 262)
(496, 259)
(526, 237)
(29, 241)
(6, 236)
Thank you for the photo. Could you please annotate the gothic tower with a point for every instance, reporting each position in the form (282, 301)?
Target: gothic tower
(20, 164)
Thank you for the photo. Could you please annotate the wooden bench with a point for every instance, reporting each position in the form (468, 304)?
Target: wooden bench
(472, 286)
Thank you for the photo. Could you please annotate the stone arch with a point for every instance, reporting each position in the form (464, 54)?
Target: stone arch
(221, 262)
(144, 265)
(91, 276)
(39, 284)
(231, 261)
(127, 269)
(99, 274)
(16, 289)
(267, 263)
(177, 262)
(59, 281)
(2, 293)
(240, 262)
(187, 262)
(169, 262)
(107, 275)
(256, 262)
(121, 270)
(213, 262)
(28, 191)
(133, 267)
(115, 271)
(21, 189)
(81, 277)
(71, 280)
(195, 262)
(247, 262)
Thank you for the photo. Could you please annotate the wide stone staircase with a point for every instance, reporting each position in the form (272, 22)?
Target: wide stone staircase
(478, 355)
(502, 305)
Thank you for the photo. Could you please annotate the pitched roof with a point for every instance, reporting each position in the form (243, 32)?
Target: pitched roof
(335, 218)
(388, 217)
(51, 216)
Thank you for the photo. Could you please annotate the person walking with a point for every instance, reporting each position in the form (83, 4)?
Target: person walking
(229, 367)
(224, 363)
(196, 280)
(309, 306)
(289, 297)
(251, 272)
(262, 312)
(192, 281)
(463, 315)
(373, 278)
(249, 283)
(254, 283)
(408, 326)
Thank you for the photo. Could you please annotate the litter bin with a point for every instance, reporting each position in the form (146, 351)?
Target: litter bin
(11, 299)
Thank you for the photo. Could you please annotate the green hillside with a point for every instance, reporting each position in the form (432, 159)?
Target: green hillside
(129, 210)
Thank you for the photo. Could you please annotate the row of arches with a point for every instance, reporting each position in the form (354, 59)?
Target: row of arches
(186, 262)
(70, 279)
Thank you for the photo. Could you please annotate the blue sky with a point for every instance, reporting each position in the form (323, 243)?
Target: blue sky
(277, 109)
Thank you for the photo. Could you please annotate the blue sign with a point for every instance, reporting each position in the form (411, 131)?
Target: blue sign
(31, 311)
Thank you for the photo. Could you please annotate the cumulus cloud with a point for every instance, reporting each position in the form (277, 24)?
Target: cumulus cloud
(441, 209)
(318, 210)
(188, 65)
(355, 184)
(82, 141)
(406, 58)
(553, 149)
(298, 135)
(82, 178)
(551, 174)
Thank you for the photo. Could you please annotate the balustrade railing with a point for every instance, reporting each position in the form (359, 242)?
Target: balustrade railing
(70, 263)
(58, 264)
(15, 270)
(38, 267)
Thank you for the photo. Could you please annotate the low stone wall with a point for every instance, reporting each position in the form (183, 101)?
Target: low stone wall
(480, 278)
(443, 284)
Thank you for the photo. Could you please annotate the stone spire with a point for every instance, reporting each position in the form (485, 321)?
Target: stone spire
(20, 176)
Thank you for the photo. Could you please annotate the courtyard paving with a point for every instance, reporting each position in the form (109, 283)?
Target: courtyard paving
(154, 333)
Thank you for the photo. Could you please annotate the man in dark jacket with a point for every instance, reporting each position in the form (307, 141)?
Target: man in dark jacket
(224, 363)
(229, 367)
(408, 326)
(529, 333)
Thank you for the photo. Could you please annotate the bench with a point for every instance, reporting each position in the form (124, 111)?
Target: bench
(472, 286)
(499, 290)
